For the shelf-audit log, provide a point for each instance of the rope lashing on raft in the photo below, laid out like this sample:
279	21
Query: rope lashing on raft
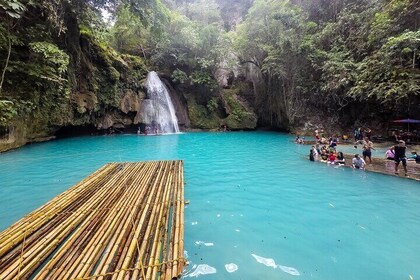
130	270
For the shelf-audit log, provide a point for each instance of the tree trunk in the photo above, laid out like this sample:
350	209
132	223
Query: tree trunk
7	60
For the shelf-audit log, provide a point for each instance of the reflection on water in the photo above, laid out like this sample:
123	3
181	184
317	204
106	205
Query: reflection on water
271	263
201	269
231	267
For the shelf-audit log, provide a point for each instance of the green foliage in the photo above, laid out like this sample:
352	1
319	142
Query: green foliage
194	41
203	78
392	72
273	40
338	71
13	8
127	34
335	54
52	55
7	112
330	53
200	116
239	117
179	76
212	104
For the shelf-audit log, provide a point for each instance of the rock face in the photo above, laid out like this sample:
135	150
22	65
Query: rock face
224	77
240	113
84	101
22	133
130	102
105	91
232	107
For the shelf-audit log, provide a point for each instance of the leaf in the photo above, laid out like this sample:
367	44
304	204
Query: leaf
15	6
13	14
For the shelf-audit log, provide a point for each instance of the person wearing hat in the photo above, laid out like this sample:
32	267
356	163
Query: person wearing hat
400	156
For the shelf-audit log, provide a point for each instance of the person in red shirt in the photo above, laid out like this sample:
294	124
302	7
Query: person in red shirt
332	157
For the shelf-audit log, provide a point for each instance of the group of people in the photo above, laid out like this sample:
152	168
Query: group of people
223	128
360	133
148	130
327	152
397	154
323	140
329	155
300	140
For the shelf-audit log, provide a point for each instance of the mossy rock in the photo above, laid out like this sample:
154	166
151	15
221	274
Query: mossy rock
111	74
245	120
200	117
239	117
135	63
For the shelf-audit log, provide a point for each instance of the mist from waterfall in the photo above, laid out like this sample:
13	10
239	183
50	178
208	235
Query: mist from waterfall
157	109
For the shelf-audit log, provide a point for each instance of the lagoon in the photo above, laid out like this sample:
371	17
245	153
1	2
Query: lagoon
258	209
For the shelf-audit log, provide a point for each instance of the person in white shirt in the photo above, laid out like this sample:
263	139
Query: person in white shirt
358	162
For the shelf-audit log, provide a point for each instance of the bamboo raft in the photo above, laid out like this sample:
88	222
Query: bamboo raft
124	221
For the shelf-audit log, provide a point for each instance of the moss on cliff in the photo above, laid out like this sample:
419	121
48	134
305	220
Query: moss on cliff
104	78
200	116
96	79
239	117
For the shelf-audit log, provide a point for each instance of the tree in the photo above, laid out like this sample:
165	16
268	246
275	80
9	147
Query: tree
12	11
272	39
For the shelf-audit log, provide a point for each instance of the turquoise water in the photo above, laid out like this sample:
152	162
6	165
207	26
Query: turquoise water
256	205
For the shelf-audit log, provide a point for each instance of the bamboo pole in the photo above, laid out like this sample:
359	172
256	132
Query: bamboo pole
168	271
41	231
150	188
160	232
182	223
120	237
48	243
108	228
22	222
36	220
120	218
112	194
156	247
144	245
164	257
74	244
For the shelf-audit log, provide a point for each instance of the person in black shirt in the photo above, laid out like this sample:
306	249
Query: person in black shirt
400	156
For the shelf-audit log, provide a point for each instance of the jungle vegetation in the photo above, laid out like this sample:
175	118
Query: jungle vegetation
343	59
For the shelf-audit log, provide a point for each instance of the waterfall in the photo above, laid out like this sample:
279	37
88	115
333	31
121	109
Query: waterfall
157	109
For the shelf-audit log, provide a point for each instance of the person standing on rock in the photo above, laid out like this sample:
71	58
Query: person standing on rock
367	149
400	156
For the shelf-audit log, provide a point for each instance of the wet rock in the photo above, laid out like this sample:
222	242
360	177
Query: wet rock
130	102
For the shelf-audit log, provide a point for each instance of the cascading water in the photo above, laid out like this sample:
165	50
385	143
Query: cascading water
157	110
